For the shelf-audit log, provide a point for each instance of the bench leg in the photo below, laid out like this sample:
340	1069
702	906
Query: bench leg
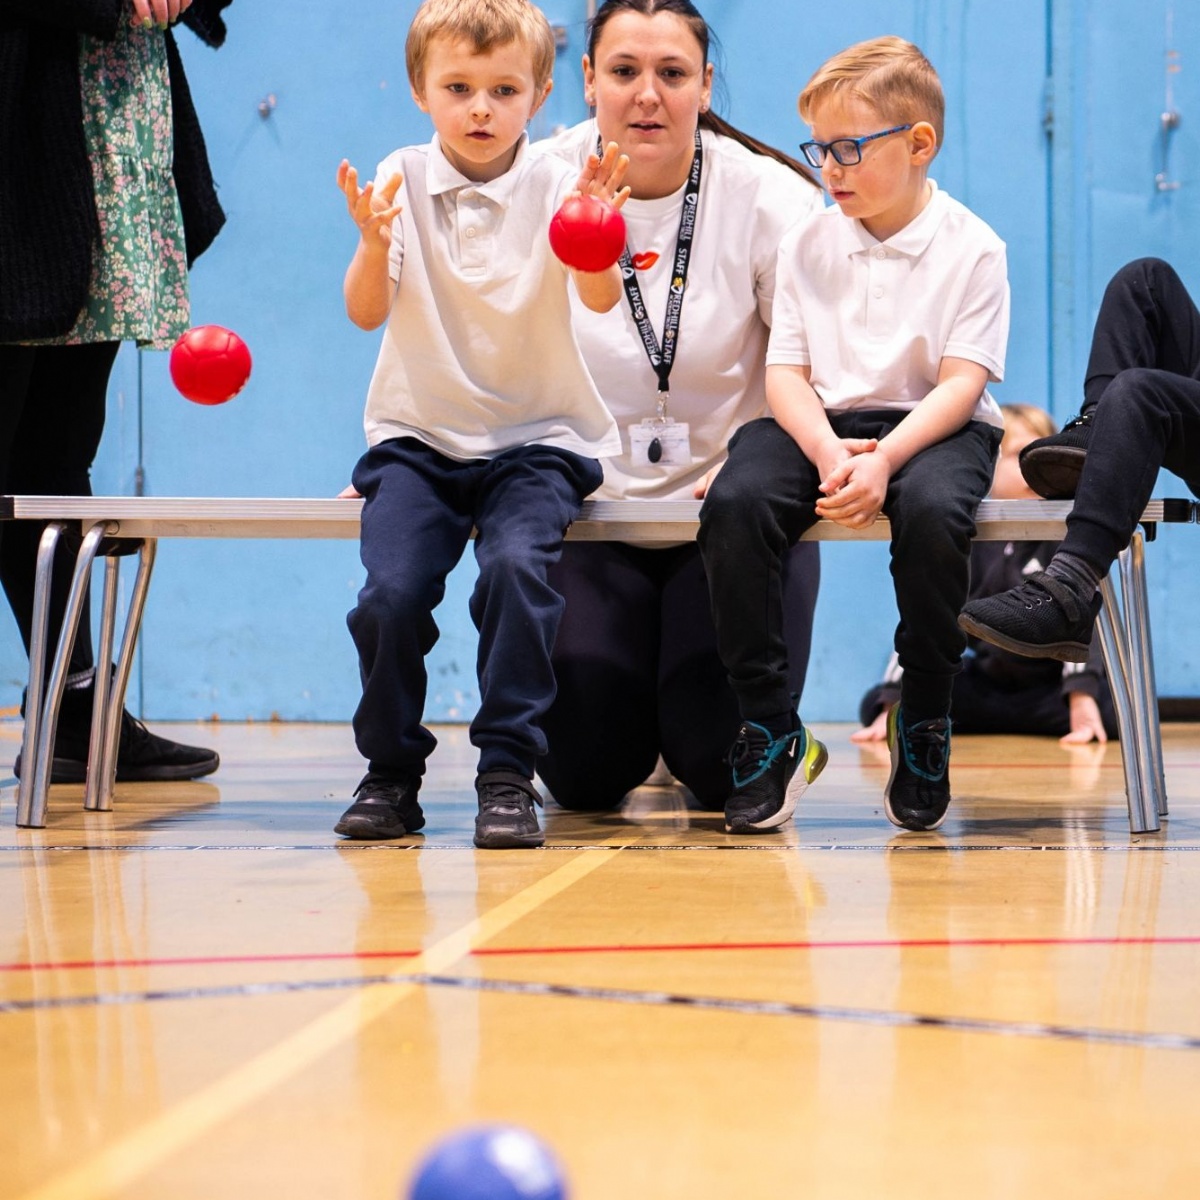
1137	620
35	815
104	768
1143	812
103	687
37	674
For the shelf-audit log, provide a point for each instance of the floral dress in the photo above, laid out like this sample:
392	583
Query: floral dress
139	288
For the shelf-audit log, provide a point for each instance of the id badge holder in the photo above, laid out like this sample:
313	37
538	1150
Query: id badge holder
660	442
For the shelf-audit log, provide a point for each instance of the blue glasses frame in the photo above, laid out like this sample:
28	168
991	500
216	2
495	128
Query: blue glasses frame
846	151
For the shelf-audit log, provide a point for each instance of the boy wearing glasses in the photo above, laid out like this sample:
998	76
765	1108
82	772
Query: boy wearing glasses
890	318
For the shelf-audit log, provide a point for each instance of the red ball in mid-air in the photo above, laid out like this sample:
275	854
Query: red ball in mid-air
210	364
587	233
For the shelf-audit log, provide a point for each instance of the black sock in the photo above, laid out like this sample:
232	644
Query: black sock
780	725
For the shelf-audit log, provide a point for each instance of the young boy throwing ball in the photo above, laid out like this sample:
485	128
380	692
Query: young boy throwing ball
480	414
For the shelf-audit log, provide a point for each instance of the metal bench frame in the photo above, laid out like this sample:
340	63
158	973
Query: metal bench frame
104	521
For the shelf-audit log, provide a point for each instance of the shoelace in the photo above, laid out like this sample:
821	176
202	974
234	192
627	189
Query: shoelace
925	746
133	732
1045	589
752	754
505	799
391	790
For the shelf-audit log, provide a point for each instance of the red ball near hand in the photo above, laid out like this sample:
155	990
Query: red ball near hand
210	364
587	233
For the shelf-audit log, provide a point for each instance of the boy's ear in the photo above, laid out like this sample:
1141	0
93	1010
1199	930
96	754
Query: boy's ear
542	98
923	139
419	99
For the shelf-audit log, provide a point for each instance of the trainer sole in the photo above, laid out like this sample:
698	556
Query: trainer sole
1062	651
71	770
797	786
510	841
1053	471
362	829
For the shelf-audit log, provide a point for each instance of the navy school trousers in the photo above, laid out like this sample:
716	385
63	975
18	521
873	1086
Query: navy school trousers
418	512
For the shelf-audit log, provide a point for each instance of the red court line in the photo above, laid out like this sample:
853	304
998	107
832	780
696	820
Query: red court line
639	948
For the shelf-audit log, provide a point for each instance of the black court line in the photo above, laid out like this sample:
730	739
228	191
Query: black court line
884	1018
755	847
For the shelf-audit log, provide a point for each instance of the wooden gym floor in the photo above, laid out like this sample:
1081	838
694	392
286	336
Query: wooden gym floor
206	995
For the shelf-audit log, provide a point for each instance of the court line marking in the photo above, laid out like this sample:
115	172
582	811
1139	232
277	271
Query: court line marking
406	983
757	847
232	960
130	1157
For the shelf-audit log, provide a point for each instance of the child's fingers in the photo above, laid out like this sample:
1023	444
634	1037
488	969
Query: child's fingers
835	480
387	193
348	181
619	199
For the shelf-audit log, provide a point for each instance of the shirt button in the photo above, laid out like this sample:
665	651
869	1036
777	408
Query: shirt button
878	293
471	232
881	254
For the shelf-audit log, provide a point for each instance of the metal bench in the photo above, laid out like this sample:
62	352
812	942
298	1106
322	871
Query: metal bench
106	521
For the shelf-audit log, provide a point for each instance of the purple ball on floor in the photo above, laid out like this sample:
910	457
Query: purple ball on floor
489	1162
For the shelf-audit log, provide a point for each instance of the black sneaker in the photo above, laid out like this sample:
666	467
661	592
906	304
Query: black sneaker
769	776
507	820
1052	465
142	756
385	806
1040	618
918	789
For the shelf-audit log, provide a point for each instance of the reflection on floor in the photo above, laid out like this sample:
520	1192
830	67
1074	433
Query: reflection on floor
206	994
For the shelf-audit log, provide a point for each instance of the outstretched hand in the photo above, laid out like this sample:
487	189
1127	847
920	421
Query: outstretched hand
1087	724
603	177
373	212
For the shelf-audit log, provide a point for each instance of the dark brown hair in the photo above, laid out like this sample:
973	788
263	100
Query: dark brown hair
688	12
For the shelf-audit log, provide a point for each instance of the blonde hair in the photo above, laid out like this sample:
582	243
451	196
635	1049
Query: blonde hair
484	24
1037	420
889	74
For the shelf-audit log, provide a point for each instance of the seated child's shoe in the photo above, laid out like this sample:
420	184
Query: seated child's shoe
507	819
918	789
385	806
1040	618
1052	465
769	776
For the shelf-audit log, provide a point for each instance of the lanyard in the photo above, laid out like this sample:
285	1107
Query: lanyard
663	358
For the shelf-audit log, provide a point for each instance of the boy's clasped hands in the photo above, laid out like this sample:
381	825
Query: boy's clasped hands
854	479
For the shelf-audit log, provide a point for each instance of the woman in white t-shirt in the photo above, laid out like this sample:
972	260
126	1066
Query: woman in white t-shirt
636	661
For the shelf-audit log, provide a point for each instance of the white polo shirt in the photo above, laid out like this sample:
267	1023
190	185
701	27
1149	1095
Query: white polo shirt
746	203
479	352
875	319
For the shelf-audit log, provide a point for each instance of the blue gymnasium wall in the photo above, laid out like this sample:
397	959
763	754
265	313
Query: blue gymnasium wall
256	629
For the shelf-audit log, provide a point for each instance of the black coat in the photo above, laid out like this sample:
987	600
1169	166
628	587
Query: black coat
48	222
